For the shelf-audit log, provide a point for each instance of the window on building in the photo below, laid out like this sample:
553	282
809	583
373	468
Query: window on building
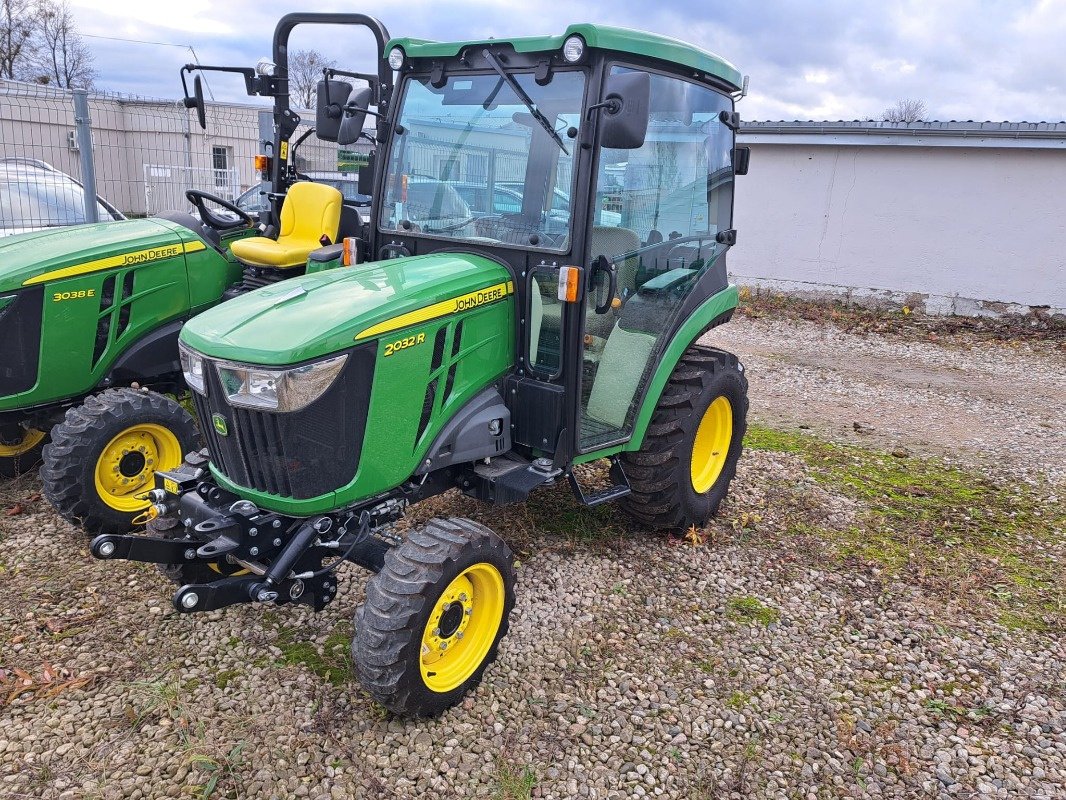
220	163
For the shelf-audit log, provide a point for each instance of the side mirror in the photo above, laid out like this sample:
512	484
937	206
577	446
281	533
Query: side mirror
329	110
741	157
354	117
197	101
624	115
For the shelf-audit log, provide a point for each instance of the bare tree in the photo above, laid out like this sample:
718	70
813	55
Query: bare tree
305	71
63	56
19	21
905	111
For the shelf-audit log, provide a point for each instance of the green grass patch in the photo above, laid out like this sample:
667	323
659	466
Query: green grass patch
557	513
943	525
737	700
514	782
750	610
333	663
222	679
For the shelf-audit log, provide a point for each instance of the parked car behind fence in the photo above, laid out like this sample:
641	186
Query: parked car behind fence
35	195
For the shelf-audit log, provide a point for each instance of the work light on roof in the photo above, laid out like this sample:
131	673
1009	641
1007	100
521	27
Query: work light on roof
266	68
573	49
396	57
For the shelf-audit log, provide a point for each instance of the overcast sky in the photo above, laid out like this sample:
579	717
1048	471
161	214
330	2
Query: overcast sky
833	59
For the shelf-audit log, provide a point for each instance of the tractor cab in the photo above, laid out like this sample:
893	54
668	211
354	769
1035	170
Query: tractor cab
597	167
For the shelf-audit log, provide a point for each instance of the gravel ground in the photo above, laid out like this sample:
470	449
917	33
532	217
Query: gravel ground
637	665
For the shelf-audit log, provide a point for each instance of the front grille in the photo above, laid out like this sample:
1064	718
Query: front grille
301	454
20	340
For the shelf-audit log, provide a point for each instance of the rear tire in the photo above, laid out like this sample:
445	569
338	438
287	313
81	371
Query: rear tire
449	585
21	453
105	453
690	451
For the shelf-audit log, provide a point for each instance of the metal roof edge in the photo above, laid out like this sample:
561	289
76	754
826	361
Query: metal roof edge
1035	135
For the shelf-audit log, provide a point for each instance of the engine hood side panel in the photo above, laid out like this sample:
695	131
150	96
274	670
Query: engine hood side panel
42	256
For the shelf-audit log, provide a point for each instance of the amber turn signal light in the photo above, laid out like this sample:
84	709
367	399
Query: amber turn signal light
351	251
569	278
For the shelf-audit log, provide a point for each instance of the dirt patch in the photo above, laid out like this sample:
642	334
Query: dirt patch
1000	404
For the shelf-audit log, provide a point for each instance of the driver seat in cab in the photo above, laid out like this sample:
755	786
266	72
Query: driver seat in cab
309	212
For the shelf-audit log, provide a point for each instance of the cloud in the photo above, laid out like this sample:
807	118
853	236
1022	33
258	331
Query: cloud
837	59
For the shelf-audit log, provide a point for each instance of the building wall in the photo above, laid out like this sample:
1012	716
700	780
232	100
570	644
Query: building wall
954	223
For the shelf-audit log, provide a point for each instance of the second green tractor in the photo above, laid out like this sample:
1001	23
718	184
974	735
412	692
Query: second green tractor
547	243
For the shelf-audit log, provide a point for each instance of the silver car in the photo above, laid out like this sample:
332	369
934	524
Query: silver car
34	195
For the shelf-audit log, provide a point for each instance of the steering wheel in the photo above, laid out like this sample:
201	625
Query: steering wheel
212	220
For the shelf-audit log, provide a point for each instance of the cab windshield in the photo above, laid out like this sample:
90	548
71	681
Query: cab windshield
473	163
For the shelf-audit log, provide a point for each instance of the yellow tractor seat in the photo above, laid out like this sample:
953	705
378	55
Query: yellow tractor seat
310	210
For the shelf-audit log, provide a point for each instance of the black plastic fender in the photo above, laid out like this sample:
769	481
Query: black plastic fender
152	356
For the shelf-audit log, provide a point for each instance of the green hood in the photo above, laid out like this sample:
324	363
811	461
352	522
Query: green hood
28	255
304	318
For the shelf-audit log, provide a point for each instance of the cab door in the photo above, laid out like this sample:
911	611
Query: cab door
652	248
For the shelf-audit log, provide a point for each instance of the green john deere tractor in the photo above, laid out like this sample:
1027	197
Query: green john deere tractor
90	315
548	235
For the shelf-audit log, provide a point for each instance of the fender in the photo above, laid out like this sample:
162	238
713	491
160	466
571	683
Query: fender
714	311
153	355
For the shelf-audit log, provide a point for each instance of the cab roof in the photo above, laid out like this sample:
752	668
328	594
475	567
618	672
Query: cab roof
641	43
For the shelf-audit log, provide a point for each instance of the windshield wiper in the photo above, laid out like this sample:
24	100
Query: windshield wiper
538	115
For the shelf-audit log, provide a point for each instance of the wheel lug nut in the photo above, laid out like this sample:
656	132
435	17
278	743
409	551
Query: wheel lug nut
436	631
443	645
462	597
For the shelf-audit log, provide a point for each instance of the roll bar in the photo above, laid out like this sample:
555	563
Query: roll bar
276	85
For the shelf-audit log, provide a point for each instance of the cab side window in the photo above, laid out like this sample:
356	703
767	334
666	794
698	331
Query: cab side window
657	210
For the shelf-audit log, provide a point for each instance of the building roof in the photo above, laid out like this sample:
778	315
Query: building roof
606	37
934	133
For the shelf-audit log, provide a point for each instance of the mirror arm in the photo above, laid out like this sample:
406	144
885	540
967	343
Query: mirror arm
382	130
253	84
329	106
330	72
731	119
612	105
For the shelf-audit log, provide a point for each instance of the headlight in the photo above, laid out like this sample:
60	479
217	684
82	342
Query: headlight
396	57
192	365
278	389
573	49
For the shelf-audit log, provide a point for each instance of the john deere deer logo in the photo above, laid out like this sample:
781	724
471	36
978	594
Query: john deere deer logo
219	422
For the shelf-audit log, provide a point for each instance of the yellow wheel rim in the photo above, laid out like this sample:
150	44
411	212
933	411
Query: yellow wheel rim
30	439
462	627
126	467
711	446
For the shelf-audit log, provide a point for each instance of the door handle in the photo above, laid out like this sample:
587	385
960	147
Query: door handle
602	263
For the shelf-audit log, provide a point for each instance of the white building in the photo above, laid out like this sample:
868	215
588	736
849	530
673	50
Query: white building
963	217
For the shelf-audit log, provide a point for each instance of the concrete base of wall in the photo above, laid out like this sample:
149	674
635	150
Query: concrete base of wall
934	304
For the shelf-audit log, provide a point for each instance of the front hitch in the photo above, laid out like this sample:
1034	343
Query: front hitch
150	549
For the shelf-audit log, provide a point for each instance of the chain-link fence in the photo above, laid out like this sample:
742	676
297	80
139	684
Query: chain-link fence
144	154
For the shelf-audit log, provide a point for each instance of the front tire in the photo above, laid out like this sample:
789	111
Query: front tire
690	451
434	617
105	453
20	451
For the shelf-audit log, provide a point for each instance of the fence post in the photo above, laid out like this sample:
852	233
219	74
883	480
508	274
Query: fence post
84	133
